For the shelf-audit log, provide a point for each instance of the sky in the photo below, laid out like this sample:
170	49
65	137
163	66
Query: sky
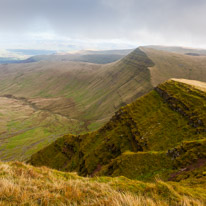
101	24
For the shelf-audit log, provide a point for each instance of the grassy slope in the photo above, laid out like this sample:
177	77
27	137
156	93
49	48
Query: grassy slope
141	140
173	65
22	184
89	94
96	90
25	130
86	94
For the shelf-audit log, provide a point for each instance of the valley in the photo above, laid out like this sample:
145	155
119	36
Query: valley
110	134
81	96
102	103
25	128
85	93
151	152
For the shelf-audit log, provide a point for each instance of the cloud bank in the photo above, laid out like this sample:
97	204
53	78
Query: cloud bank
102	23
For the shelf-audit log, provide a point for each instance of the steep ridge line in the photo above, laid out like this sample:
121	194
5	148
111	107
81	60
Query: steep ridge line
86	94
97	91
181	108
136	141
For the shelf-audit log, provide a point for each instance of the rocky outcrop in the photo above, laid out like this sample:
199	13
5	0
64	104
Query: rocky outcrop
178	106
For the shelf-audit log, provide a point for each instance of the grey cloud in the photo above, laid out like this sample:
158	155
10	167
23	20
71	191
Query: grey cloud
169	20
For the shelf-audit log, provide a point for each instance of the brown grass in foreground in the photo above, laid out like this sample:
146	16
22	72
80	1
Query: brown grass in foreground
21	184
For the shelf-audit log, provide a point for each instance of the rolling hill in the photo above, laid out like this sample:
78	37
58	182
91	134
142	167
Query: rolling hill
81	96
175	65
98	57
161	133
179	50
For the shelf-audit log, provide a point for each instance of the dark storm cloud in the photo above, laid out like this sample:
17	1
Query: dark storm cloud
145	21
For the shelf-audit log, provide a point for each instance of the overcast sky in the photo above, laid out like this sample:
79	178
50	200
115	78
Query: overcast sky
101	24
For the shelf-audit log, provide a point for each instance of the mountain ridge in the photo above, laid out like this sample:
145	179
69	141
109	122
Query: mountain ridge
86	94
151	129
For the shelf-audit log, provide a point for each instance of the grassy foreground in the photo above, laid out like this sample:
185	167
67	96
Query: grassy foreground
22	184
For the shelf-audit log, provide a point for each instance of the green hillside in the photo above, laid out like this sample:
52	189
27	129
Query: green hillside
62	97
81	96
25	128
161	133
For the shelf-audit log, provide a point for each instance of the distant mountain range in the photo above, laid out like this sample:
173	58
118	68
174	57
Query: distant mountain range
19	55
99	57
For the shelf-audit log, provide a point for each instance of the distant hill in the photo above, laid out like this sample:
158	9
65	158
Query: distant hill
97	57
12	56
174	65
161	133
180	50
8	60
84	94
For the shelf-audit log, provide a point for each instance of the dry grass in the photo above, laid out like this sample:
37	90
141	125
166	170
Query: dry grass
197	84
173	65
22	184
